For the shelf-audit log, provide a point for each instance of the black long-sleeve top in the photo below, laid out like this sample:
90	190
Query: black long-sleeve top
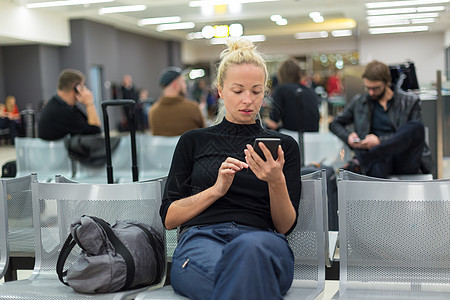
195	164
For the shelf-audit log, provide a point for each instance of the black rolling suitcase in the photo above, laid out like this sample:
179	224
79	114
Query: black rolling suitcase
120	102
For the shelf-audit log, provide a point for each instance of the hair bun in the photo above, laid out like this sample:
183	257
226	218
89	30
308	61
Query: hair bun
238	44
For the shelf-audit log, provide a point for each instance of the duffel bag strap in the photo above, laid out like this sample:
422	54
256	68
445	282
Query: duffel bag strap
121	249
62	257
156	250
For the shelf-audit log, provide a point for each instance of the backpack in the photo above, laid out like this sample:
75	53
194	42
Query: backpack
114	258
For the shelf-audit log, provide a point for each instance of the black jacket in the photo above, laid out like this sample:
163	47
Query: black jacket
404	107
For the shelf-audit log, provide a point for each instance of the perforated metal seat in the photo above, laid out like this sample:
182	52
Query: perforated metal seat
121	162
46	158
15	193
65	201
307	242
394	239
155	155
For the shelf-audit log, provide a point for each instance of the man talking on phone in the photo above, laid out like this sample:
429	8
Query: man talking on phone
388	134
62	116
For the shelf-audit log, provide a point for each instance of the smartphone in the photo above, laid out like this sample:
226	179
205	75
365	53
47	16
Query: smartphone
271	144
356	140
75	89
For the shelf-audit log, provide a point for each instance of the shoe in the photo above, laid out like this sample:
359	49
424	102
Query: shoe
353	166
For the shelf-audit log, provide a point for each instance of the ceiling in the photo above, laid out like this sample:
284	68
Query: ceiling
255	17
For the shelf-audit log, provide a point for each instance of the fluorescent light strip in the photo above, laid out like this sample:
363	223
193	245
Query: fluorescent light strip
401	22
201	3
175	26
64	3
341	33
403	16
423	21
393	11
253	38
403	3
121	9
161	20
385	30
388	23
311	35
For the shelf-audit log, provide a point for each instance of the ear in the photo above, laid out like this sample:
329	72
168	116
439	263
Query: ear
219	91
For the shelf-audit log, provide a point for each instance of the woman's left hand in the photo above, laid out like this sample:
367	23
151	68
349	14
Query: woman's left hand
269	170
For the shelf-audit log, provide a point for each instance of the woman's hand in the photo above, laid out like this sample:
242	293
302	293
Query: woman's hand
270	170
226	174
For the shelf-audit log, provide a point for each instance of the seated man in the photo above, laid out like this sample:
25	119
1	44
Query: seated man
388	133
173	114
61	116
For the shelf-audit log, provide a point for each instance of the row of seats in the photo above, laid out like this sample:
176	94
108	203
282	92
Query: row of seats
394	236
55	204
154	157
47	158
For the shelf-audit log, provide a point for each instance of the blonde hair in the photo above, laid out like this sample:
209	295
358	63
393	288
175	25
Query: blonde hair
239	51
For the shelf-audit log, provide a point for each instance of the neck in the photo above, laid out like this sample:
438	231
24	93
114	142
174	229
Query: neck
67	97
387	96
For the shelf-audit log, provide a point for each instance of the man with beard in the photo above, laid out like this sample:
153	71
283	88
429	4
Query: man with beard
173	114
387	135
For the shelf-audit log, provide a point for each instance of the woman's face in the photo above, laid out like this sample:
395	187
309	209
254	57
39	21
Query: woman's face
242	92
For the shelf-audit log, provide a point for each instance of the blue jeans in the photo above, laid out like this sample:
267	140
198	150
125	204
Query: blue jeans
231	261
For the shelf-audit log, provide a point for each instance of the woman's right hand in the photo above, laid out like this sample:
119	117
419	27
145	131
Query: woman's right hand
226	174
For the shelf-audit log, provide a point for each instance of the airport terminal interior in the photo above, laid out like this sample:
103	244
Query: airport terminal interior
332	41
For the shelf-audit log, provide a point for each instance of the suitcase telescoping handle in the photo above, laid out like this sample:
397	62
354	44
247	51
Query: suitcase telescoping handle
120	102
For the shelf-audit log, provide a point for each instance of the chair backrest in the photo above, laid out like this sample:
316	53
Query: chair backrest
4	247
307	240
66	201
46	158
155	155
121	163
347	175
322	147
16	194
394	235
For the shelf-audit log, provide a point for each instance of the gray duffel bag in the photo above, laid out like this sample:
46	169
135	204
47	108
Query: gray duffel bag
114	258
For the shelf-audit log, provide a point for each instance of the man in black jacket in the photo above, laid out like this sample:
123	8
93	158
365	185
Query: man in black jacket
61	116
387	135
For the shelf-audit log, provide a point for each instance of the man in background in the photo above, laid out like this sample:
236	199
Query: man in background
295	107
173	114
388	134
61	116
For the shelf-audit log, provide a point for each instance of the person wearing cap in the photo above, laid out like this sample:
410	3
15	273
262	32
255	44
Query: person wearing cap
173	114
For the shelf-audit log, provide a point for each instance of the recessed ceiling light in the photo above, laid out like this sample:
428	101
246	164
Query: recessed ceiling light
121	9
160	20
385	30
311	35
341	33
175	26
64	3
403	16
403	3
224	2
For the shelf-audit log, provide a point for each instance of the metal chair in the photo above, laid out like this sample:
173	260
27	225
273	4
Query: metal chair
121	162
155	155
4	247
307	242
15	193
394	239
65	201
347	175
46	158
